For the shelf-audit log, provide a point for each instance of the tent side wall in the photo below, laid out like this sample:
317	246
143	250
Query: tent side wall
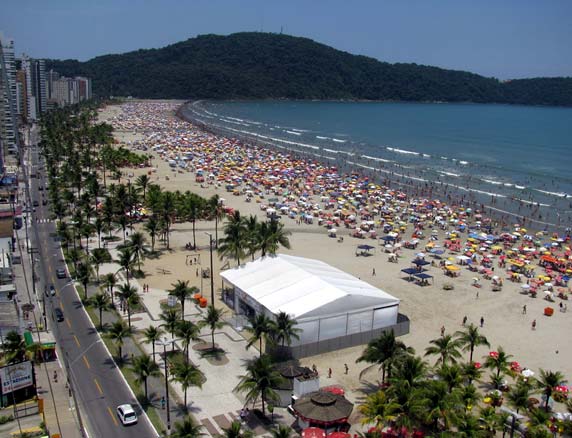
305	349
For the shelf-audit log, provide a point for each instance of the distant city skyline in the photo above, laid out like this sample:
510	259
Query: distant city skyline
510	39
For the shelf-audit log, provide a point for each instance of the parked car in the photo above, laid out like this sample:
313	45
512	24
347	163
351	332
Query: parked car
51	291
126	414
61	273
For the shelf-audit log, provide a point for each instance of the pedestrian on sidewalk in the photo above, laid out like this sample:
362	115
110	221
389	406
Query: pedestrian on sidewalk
55	376
163	402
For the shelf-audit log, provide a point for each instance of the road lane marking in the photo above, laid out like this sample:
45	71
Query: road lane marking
112	416
76	340
98	387
86	362
68	323
50	268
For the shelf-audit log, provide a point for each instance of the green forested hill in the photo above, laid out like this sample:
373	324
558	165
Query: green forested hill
263	65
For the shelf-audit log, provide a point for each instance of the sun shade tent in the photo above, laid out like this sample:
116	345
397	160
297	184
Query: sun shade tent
326	302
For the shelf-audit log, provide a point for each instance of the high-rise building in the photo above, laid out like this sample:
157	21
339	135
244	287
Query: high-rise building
8	97
35	85
67	91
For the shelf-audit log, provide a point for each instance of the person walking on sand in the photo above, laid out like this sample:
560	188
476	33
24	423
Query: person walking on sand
442	330
329	373
464	320
346	368
373	272
482	321
524	309
534	325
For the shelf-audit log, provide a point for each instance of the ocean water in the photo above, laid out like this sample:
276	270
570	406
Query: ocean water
511	158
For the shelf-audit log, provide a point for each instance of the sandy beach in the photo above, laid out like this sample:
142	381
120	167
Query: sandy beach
428	307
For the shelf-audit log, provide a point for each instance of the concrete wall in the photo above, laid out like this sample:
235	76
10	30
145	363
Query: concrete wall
314	348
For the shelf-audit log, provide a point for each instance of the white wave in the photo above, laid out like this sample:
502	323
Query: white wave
293	132
559	194
492	181
426	156
299	130
235	118
337	140
281	140
456	175
322	138
402	151
467	189
367	157
464	163
332	151
360	165
444	158
519	187
524	201
508	184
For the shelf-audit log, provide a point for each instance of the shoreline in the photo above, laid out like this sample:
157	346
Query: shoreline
475	199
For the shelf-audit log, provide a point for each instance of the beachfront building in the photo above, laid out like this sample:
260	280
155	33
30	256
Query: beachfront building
64	91
8	96
332	308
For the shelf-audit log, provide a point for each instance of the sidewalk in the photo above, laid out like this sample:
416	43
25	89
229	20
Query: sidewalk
59	412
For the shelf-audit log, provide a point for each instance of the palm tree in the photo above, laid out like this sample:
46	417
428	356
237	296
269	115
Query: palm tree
234	241
99	256
439	404
182	292
117	333
490	421
152	227
281	431
187	375
410	369
187	429
283	329
378	409
469	396
451	375
129	297
216	212
259	380
167	211
187	331
14	346
83	275
144	367
213	320
259	327
383	351
471	372
137	245
272	236
468	426
110	280
170	319
253	234
235	431
101	302
446	348
499	363
519	394
152	334
471	338
99	226
547	382
142	182
126	261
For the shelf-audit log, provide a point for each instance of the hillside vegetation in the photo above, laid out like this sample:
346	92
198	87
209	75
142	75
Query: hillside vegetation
263	65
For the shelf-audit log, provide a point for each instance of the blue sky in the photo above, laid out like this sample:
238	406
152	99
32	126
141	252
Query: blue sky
501	38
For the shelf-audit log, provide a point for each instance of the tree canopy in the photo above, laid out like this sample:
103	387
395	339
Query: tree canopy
255	65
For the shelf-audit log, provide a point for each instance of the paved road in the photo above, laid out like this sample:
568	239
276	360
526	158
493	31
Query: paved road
99	385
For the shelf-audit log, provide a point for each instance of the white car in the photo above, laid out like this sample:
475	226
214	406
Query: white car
126	414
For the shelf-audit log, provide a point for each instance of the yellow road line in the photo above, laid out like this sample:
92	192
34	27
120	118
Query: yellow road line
98	387
68	323
112	416
50	268
76	340
86	362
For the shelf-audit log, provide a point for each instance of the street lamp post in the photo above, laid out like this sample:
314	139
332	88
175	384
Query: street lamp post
164	343
212	272
514	416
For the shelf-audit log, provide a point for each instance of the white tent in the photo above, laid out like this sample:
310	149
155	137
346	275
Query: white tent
326	302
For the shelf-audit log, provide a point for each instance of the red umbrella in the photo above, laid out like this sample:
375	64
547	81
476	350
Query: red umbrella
334	389
313	432
339	435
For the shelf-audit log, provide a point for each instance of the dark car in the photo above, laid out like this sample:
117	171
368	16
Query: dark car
51	291
61	273
59	314
41	188
44	201
36	204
